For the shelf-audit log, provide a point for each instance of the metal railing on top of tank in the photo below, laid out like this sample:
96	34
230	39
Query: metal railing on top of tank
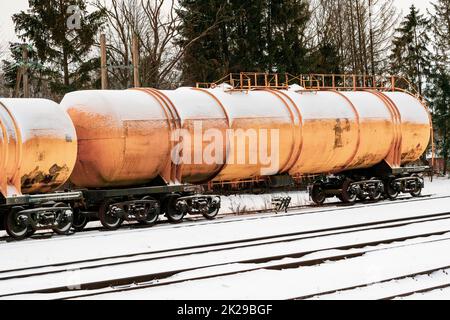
246	81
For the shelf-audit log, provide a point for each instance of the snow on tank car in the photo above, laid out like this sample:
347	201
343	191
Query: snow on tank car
365	137
37	155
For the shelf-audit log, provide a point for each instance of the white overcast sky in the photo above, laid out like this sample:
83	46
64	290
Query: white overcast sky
9	7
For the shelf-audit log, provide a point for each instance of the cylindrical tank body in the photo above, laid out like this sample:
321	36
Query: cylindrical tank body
243	120
415	130
38	146
123	137
130	137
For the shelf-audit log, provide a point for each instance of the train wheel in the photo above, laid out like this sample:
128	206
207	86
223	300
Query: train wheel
107	215
15	228
79	221
172	212
376	194
418	189
348	195
318	194
213	211
152	213
391	191
64	221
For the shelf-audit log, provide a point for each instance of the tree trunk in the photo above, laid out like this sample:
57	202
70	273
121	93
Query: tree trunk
66	68
225	51
341	39
269	37
353	41
445	163
445	147
419	71
361	39
372	50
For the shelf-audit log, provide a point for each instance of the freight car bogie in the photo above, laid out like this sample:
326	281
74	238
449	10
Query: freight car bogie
207	206
349	188
176	207
21	222
412	184
144	205
113	213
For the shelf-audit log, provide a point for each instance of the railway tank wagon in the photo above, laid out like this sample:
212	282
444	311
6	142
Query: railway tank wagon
364	138
132	155
391	131
37	155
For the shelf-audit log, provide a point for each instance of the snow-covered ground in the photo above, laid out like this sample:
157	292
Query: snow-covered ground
417	254
394	288
201	262
104	244
292	283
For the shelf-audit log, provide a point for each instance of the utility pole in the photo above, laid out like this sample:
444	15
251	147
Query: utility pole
104	63
26	88
135	48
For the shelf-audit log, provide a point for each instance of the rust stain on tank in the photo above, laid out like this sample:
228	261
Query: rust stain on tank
339	129
37	176
367	159
413	153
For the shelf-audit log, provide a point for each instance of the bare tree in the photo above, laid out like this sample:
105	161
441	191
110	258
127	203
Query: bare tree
156	24
361	30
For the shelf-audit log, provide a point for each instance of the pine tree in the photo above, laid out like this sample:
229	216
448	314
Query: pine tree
439	86
325	60
440	23
439	94
259	35
287	47
410	56
206	58
12	66
64	51
248	35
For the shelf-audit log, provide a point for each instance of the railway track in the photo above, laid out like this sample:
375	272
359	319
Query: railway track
419	282
275	237
291	264
314	248
228	218
423	291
